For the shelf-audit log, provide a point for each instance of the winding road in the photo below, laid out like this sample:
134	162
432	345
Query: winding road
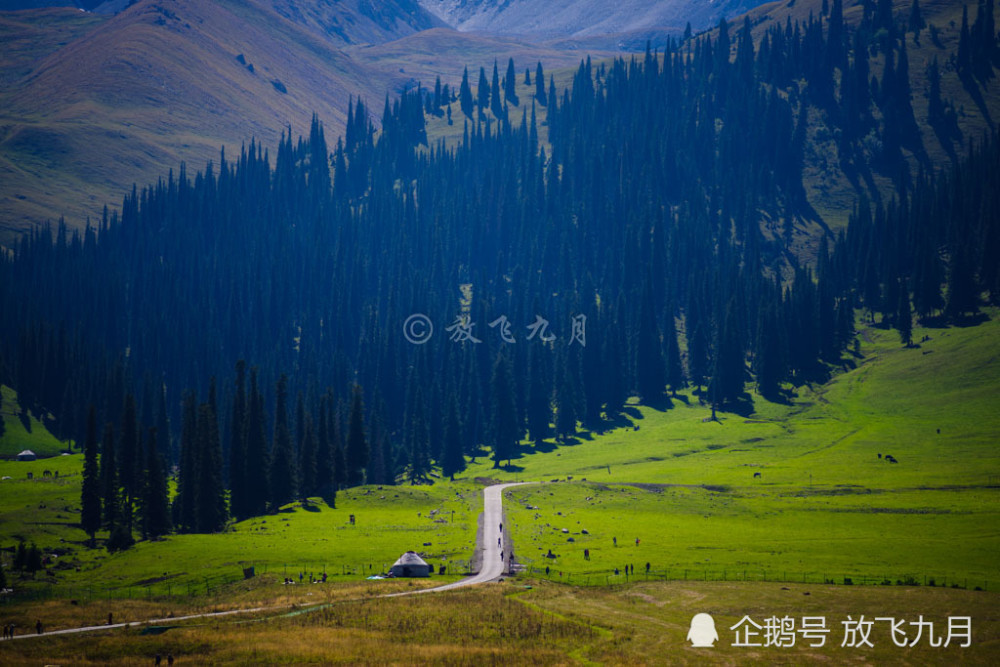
491	568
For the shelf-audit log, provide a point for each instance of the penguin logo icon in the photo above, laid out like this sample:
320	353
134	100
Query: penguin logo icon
702	632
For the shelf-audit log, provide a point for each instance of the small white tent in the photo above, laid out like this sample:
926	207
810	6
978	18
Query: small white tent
26	455
410	565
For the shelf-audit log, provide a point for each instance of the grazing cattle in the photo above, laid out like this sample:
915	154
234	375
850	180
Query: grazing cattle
46	473
756	474
890	458
880	454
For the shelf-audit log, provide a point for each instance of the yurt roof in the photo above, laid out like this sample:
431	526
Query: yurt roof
410	558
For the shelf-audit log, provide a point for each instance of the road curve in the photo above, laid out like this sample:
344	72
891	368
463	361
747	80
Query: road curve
491	569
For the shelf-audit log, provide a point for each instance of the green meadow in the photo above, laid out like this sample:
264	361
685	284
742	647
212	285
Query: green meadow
439	522
825	506
825	510
23	430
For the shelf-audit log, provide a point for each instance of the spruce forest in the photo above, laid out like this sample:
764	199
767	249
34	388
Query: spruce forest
242	328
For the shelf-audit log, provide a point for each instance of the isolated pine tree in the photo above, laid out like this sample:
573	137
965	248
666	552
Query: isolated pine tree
540	96
483	91
496	94
465	94
510	84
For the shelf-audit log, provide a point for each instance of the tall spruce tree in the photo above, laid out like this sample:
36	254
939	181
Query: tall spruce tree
110	493
465	94
649	367
238	427
155	506
504	427
210	496
452	456
129	469
510	84
356	450
540	85
257	468
284	481
90	494
185	504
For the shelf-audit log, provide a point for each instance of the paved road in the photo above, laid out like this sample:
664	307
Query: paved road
491	569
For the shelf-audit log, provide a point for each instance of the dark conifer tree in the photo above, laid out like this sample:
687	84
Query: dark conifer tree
465	94
649	368
308	455
452	456
257	469
238	425
728	371
356	452
185	504
418	438
210	496
155	507
284	482
510	84
90	495
565	403
129	470
110	494
496	95
904	317
540	84
483	91
504	428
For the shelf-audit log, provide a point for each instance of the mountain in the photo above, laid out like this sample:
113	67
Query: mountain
90	105
560	19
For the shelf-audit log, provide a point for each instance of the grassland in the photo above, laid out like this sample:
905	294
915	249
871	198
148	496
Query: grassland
825	508
510	623
23	430
825	505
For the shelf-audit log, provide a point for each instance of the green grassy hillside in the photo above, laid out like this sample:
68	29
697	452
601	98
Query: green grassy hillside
23	430
825	505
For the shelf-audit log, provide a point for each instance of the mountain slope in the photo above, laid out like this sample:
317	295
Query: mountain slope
581	18
92	105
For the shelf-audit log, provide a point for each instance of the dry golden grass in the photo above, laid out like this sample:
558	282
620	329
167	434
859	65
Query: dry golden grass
510	623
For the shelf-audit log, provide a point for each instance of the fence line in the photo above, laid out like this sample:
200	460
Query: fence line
200	586
205	586
606	578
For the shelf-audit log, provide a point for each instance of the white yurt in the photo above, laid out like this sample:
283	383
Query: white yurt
26	455
410	565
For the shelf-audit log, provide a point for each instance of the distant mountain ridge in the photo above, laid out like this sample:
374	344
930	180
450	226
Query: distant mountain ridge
582	18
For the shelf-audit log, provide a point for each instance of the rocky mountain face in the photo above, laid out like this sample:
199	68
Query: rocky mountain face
558	19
